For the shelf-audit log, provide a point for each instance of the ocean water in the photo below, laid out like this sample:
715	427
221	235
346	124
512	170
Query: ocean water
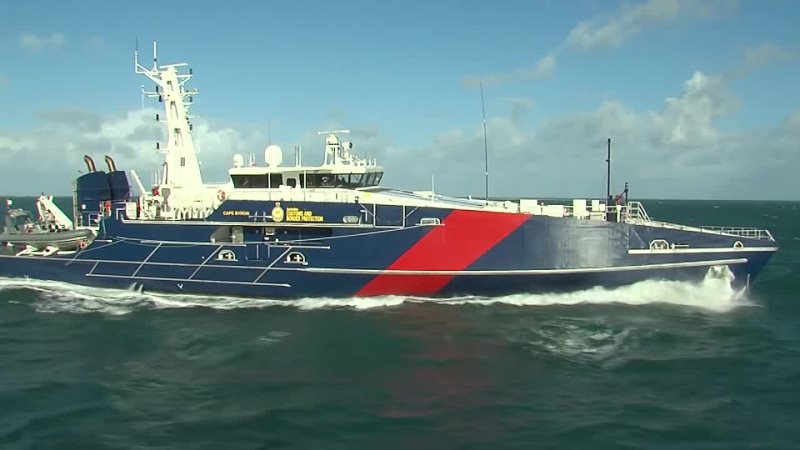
657	365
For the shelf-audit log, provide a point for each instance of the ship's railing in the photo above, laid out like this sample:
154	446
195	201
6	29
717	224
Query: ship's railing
196	208
745	232
634	212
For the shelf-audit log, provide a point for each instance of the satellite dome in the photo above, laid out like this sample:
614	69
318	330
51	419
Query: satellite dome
273	155
238	160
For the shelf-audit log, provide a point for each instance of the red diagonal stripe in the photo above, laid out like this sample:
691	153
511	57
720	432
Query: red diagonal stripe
464	237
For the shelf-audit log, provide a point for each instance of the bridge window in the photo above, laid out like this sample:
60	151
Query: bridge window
314	180
342	180
264	180
326	180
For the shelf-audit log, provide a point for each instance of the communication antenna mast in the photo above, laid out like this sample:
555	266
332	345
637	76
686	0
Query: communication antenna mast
608	173
485	146
298	156
180	155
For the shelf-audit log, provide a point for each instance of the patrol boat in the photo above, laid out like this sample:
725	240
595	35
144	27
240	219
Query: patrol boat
278	230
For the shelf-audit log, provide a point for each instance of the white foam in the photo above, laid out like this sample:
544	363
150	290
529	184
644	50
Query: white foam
273	337
713	293
573	341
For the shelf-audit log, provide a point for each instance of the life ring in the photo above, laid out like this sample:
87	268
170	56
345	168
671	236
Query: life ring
221	195
82	245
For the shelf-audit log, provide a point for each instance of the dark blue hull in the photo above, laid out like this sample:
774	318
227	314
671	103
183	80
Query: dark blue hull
467	253
297	284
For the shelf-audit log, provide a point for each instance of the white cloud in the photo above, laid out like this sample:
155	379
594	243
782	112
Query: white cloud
54	41
519	106
689	118
674	151
761	55
52	153
95	42
543	68
611	31
631	19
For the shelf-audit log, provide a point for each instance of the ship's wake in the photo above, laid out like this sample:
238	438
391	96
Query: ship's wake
714	293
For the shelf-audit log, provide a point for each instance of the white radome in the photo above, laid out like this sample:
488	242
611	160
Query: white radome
273	155
238	160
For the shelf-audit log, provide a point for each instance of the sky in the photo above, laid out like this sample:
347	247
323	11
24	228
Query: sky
700	97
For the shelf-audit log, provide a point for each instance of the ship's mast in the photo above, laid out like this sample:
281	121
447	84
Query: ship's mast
180	158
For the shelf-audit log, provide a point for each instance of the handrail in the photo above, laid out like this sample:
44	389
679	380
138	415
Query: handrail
635	213
745	232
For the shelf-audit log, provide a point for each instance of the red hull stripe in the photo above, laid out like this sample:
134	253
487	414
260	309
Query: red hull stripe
464	237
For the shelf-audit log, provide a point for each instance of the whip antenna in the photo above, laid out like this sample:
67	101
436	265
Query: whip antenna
485	146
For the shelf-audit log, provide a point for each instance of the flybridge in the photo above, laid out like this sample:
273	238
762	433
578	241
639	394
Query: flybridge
340	168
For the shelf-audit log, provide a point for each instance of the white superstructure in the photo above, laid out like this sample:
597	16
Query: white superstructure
343	176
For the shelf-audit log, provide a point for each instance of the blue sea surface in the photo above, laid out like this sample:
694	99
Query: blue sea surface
657	365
